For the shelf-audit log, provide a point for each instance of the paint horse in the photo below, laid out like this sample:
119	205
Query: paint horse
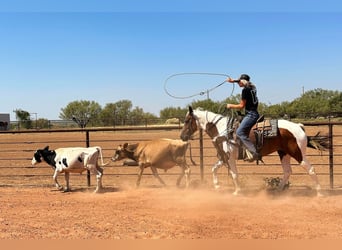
290	141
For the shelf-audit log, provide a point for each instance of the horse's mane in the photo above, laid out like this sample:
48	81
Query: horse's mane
211	117
209	113
215	114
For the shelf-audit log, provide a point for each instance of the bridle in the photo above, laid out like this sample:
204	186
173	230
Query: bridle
190	130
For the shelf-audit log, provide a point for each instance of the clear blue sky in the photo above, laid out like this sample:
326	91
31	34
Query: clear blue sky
56	52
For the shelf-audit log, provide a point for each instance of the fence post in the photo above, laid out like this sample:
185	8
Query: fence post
201	154
331	156
88	145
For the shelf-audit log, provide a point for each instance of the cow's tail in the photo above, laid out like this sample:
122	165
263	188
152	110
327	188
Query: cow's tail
192	161
318	142
102	163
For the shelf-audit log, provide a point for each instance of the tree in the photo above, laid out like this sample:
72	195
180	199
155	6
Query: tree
139	117
335	103
24	118
108	114
276	110
313	103
208	104
122	111
42	123
171	112
233	99
81	112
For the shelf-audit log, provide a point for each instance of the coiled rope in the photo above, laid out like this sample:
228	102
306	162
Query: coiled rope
196	94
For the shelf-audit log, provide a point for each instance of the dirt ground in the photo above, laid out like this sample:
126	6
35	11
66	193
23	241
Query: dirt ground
168	213
121	211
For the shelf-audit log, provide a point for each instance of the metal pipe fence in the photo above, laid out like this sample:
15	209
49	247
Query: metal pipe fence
17	148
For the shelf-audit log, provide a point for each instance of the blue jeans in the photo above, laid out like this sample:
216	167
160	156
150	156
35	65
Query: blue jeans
244	129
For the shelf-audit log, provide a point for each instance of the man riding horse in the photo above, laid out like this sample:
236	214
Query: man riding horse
249	101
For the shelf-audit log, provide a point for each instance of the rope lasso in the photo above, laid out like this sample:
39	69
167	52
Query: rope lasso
196	94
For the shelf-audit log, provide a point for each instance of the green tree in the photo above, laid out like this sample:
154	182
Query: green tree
122	111
108	114
42	123
139	117
335	103
81	112
208	104
313	103
24	118
276	110
171	112
233	99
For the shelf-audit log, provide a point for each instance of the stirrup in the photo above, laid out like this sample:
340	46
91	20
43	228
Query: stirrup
251	158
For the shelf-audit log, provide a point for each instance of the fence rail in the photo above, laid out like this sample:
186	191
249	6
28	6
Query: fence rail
17	148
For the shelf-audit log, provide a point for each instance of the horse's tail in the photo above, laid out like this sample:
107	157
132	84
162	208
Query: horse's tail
318	142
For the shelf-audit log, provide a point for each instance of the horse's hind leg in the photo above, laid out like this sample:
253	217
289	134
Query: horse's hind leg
311	171
287	170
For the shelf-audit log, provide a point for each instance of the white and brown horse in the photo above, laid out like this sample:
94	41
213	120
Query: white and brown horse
291	141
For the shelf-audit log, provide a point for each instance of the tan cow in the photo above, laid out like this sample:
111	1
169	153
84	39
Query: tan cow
159	153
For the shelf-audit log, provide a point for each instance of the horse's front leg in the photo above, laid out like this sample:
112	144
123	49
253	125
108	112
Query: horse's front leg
234	173
214	169
233	154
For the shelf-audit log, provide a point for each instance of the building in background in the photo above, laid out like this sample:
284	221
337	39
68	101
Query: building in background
4	121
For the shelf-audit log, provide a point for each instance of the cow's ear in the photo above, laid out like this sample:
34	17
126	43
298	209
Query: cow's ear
191	111
125	145
46	148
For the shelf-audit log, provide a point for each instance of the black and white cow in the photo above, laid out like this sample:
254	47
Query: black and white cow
71	160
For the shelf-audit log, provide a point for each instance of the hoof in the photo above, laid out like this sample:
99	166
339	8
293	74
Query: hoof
319	194
236	193
98	191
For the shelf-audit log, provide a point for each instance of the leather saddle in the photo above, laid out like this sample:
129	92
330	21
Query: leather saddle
267	127
264	128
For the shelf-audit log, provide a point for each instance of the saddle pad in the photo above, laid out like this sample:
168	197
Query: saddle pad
269	128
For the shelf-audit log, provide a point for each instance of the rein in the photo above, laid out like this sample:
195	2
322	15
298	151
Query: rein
228	129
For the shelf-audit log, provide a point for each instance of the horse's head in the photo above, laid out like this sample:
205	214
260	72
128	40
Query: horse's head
190	125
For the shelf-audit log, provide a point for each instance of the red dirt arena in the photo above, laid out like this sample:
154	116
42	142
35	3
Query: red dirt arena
31	207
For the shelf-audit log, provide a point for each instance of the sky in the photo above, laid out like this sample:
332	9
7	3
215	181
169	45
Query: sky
56	52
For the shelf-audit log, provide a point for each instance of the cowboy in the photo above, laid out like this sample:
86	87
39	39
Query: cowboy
249	101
